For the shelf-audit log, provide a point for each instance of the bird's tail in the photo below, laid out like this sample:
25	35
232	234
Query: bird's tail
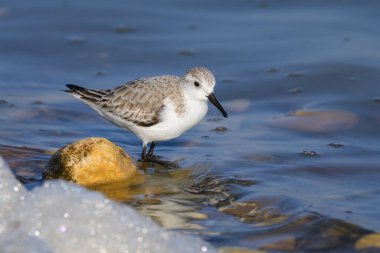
85	94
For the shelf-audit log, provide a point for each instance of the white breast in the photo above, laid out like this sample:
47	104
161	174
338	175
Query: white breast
172	124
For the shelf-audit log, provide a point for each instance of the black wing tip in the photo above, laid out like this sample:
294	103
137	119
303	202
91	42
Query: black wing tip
74	87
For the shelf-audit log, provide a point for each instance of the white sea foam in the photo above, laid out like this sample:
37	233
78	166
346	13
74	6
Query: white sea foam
63	217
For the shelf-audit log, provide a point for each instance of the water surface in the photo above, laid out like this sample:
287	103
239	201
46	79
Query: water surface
299	156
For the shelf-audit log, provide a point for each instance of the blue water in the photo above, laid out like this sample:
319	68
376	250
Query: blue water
270	58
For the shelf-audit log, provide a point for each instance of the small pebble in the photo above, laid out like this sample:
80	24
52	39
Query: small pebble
353	79
295	91
263	4
335	145
4	11
376	99
347	39
38	102
228	80
192	27
75	39
309	153
124	29
3	102
296	74
104	55
238	105
100	73
186	52
220	129
273	70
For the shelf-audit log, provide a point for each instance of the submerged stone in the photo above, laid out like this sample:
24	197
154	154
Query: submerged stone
296	74
100	73
124	28
220	129
336	145
368	241
376	99
228	80
186	52
288	244
251	212
310	153
238	105
318	121
244	211
5	103
295	91
274	70
4	11
91	162
75	39
319	234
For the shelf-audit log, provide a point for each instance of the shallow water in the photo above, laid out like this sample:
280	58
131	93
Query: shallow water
300	81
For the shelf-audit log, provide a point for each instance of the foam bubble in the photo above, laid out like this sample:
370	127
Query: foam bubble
63	217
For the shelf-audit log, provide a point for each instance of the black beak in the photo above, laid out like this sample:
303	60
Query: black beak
215	102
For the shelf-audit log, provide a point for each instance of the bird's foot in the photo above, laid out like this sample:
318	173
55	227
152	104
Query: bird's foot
159	160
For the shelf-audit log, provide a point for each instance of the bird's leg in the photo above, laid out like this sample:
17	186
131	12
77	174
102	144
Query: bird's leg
144	157
155	159
152	145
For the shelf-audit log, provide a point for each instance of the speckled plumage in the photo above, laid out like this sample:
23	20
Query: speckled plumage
141	101
154	108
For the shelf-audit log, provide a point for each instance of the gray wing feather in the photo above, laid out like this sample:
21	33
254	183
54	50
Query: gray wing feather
139	101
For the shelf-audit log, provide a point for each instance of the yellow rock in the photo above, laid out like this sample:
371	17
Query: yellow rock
368	241
92	162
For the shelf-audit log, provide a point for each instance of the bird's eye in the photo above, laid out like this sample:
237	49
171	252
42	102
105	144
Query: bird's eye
196	84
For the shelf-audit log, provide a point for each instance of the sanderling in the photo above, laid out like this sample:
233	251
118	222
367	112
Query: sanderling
155	108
